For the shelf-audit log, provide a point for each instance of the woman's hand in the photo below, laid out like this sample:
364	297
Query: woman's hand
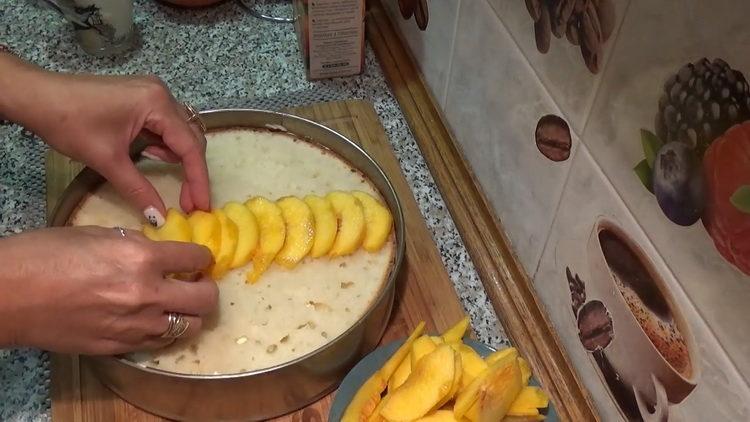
94	119
89	290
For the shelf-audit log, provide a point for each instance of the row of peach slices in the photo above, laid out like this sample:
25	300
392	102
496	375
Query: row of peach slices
284	231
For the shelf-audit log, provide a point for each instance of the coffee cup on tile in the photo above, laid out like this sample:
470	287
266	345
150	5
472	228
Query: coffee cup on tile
653	349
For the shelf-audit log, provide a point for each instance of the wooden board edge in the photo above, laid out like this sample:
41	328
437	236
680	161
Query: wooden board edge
506	282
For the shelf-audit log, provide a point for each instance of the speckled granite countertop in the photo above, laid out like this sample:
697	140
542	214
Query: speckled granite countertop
211	58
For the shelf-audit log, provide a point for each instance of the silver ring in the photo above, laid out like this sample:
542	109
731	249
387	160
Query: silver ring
177	325
193	116
121	231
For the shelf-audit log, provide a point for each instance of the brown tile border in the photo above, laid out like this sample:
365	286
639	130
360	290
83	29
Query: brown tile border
507	284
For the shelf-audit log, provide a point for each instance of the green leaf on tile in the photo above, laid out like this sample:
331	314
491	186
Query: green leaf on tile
741	199
644	173
651	144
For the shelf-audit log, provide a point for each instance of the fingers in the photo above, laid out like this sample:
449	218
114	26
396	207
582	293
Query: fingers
186	198
194	327
192	298
181	257
189	145
136	189
160	153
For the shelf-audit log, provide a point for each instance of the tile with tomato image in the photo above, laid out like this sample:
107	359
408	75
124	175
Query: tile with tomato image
652	83
588	199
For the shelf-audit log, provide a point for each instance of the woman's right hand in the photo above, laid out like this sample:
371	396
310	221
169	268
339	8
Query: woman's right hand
89	290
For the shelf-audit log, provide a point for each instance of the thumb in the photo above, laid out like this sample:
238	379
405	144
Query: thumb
137	190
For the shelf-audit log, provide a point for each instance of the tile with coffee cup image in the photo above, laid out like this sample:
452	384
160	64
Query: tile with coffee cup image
669	127
639	345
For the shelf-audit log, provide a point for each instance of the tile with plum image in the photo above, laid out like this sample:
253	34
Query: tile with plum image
622	315
571	78
684	87
493	106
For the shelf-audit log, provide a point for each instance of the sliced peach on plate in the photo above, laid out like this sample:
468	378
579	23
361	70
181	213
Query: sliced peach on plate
206	231
429	383
422	347
272	235
456	332
497	392
325	225
175	228
529	401
247	233
467	396
300	231
351	223
366	403
473	364
378	221
401	374
438	416
228	244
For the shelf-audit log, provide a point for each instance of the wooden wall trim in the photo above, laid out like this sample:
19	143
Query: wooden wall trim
506	282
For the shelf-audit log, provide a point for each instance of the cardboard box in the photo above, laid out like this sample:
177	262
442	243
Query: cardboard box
331	36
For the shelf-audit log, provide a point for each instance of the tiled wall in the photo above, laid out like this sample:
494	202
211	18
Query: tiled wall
481	62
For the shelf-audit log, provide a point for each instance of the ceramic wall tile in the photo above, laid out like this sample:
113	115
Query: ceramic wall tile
562	69
590	206
493	105
654	44
431	48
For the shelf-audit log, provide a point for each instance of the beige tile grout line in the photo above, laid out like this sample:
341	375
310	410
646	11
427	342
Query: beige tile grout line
444	99
559	110
598	82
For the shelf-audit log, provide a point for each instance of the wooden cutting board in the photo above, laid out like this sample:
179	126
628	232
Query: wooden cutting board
424	290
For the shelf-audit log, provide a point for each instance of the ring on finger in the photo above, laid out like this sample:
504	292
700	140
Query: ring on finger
120	231
177	325
193	116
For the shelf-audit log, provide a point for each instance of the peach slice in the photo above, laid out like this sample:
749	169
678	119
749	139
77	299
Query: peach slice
525	371
501	354
378	221
272	235
456	384
473	364
456	332
438	416
429	383
225	256
497	393
401	374
325	225
528	402
366	402
206	231
421	348
247	233
469	395
351	223
175	228
300	231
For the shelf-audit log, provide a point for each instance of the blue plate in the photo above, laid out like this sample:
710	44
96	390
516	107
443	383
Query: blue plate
375	360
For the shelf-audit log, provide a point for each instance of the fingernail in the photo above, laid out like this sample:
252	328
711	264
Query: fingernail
150	156
153	216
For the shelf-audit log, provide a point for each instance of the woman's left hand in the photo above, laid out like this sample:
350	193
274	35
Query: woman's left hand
94	119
